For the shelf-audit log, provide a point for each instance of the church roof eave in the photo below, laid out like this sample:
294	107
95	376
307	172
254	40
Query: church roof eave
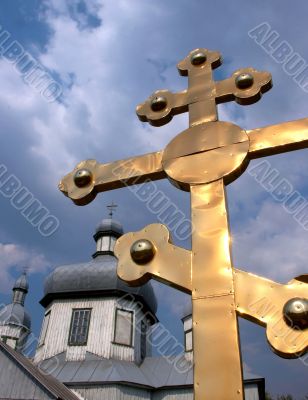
155	373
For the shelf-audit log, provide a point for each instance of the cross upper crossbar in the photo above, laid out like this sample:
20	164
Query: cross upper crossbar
245	86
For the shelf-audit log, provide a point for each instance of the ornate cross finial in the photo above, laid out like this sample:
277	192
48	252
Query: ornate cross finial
203	159
112	207
245	86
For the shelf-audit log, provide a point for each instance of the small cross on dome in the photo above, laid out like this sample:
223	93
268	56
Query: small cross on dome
112	207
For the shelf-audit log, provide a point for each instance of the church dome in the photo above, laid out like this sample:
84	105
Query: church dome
15	314
109	225
22	283
97	277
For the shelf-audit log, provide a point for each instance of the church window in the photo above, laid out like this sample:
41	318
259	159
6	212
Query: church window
124	324
79	327
188	340
44	329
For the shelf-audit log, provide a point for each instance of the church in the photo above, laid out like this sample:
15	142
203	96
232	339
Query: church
100	338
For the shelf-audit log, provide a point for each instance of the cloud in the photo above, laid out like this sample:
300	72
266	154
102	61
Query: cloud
272	244
14	256
177	302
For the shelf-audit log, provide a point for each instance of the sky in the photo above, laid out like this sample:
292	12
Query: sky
102	59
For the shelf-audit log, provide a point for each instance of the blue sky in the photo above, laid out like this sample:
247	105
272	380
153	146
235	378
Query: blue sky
108	57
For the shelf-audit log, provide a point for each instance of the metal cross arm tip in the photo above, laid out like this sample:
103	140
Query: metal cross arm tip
90	177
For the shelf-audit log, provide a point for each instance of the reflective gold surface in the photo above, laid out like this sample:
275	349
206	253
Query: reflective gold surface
279	138
227	90
213	301
203	92
171	264
112	176
262	301
258	299
203	159
189	158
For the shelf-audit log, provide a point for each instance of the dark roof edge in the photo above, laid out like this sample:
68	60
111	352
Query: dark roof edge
100	383
47	381
259	381
47	299
105	232
103	253
186	316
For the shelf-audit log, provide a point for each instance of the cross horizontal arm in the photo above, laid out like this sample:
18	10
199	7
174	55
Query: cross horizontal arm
169	264
90	177
276	139
161	106
254	83
203	94
264	305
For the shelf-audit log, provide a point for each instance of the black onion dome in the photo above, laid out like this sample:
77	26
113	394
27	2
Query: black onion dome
109	226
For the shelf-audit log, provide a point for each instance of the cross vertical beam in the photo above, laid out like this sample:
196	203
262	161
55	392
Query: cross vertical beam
201	93
215	326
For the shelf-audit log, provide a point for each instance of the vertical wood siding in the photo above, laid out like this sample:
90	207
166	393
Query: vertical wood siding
101	330
179	394
11	331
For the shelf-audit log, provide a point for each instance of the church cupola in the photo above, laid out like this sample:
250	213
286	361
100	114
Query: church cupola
15	323
106	234
20	289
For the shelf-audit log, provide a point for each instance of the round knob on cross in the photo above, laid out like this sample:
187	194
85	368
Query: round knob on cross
295	313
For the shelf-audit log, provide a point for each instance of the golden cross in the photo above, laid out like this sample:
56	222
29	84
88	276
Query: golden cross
202	160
